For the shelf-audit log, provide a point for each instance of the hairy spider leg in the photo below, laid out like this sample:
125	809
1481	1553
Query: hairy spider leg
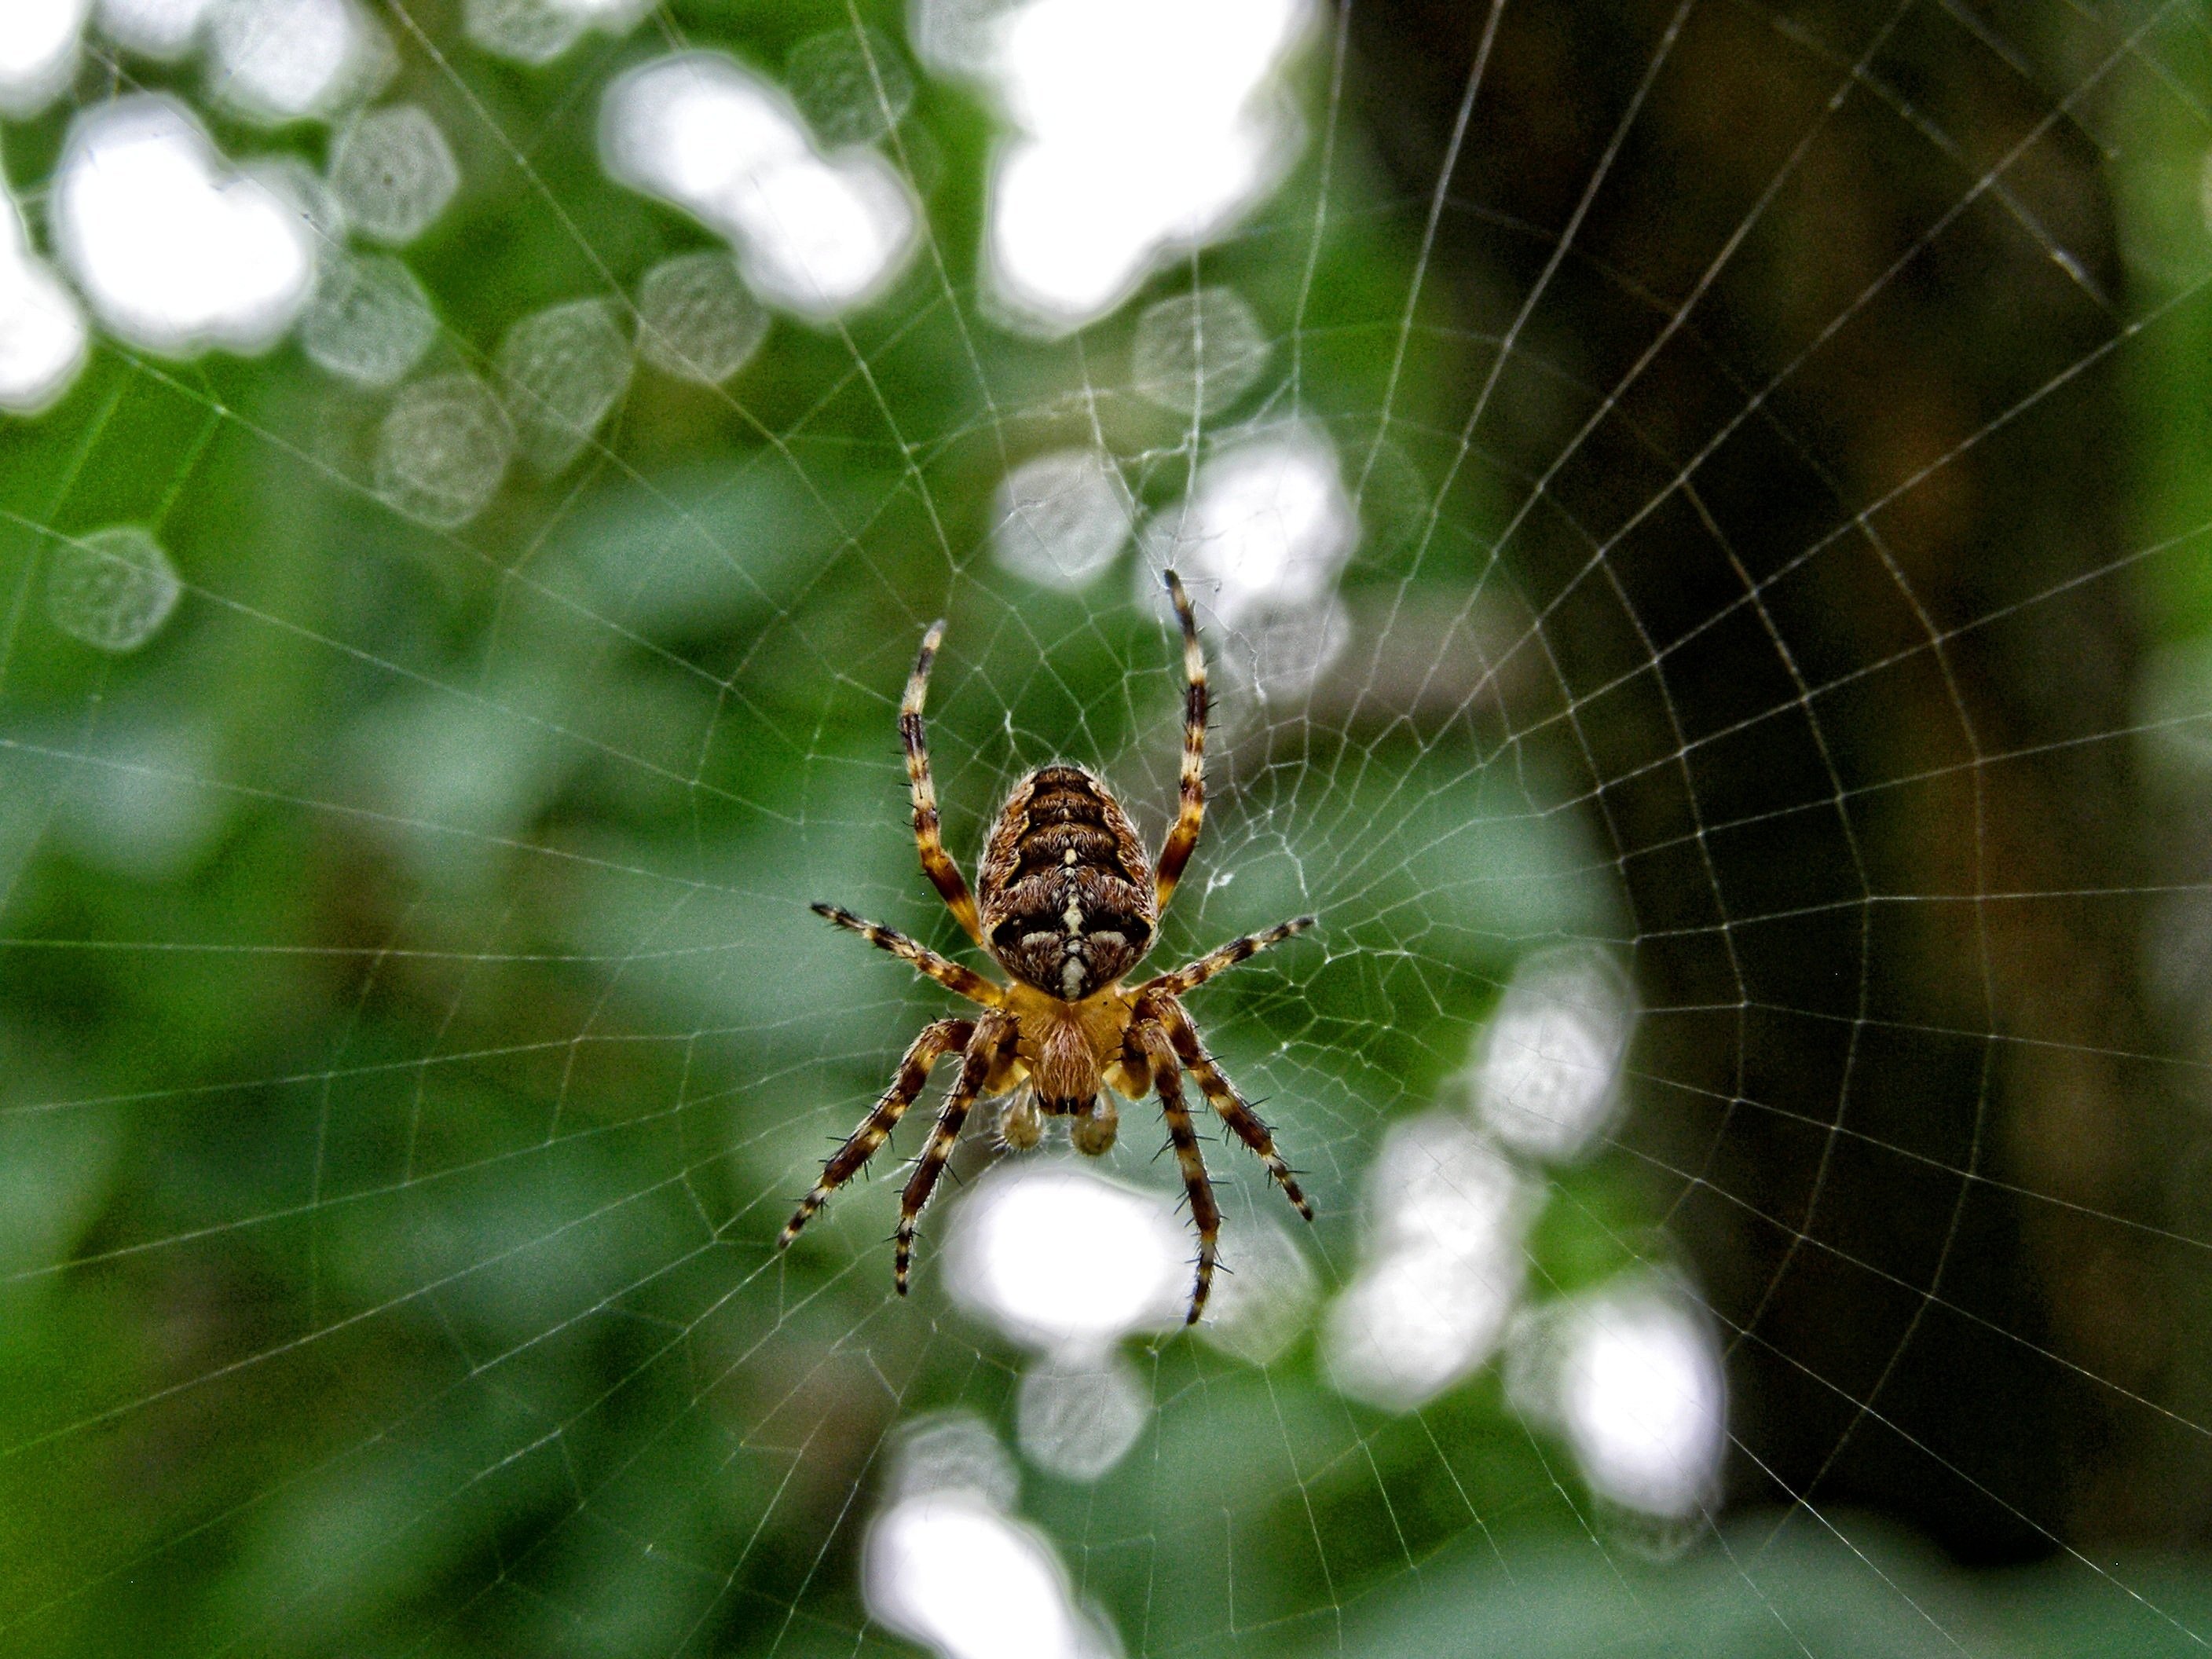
1205	1212
937	1040
950	975
1222	1093
928	833
1190	811
1218	961
991	1034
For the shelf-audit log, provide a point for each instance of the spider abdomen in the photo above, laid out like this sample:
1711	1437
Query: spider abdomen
1064	888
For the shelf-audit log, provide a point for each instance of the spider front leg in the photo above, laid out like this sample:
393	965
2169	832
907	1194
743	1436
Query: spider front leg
991	1033
1218	961
961	981
1204	1214
935	1041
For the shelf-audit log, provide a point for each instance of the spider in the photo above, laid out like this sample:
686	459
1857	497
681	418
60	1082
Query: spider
1068	906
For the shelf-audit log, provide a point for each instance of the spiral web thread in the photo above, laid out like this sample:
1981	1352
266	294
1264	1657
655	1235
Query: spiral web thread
630	917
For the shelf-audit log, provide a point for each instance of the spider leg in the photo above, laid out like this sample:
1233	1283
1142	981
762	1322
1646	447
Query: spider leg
935	1041
991	1033
950	975
1205	1213
1182	839
1214	962
928	833
1234	1112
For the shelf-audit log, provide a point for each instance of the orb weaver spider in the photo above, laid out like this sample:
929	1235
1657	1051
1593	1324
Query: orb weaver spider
1068	903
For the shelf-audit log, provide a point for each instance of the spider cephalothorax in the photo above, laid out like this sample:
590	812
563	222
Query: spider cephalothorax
1070	904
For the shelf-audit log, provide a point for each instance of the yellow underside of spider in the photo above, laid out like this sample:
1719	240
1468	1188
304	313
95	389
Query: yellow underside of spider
1049	1033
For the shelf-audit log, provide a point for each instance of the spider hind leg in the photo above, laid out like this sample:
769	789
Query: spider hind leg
1234	1110
935	1041
991	1034
1204	1210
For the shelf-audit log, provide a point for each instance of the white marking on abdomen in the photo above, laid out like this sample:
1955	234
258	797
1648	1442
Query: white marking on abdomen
1070	978
1074	917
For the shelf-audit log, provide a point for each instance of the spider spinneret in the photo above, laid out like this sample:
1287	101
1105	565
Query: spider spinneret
1069	905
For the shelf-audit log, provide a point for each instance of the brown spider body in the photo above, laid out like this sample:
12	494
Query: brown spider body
1064	888
1066	893
1069	905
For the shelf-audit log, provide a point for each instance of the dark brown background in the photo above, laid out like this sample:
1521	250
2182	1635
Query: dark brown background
1832	673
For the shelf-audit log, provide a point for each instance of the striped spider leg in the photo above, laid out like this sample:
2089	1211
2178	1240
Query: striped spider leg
1167	1039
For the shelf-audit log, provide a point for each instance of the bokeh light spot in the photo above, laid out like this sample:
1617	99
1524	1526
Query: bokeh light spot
1443	1265
393	173
953	1571
1141	130
696	320
1056	1258
1546	1074
368	320
281	60
38	52
1197	354
1266	525
174	251
442	449
1061	517
43	338
1631	1376
111	589
562	370
852	88
163	29
814	236
1077	1416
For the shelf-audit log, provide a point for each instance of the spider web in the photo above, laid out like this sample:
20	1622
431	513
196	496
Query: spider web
1762	621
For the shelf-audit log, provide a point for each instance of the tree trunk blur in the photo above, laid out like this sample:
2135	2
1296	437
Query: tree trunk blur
1828	291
